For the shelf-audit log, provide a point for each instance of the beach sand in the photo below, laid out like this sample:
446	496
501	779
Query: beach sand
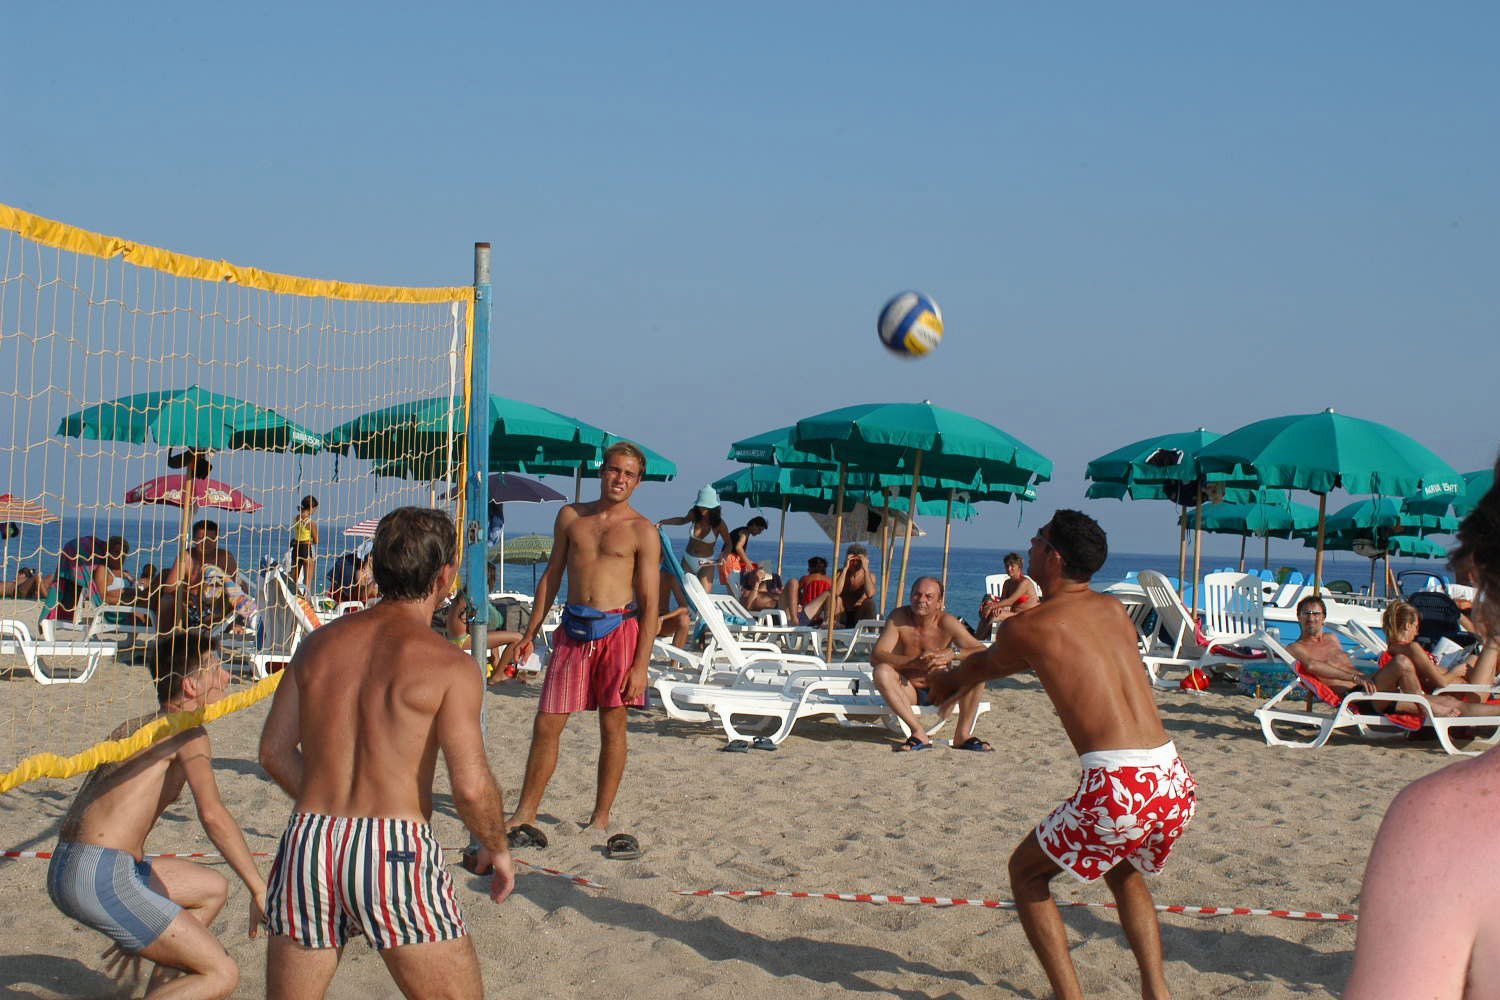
831	810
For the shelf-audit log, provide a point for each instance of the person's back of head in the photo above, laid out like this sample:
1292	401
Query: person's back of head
1080	542
412	545
176	655
309	503
817	564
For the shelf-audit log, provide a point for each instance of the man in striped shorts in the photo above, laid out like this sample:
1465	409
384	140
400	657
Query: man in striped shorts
353	736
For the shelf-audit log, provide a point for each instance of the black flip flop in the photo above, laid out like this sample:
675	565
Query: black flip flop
736	746
526	835
622	847
762	743
976	744
911	745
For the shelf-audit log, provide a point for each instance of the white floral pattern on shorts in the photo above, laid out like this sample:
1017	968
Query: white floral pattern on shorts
1119	814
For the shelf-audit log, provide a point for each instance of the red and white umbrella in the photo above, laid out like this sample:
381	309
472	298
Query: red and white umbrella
364	529
206	493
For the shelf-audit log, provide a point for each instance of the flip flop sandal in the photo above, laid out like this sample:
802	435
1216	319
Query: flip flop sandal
736	746
976	744
526	835
622	847
912	745
762	743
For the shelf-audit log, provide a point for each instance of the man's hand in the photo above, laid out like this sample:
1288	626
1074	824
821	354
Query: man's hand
503	876
257	912
121	966
943	686
939	659
634	686
522	650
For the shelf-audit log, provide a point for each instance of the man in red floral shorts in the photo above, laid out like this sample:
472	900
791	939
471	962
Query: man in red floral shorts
600	652
1135	797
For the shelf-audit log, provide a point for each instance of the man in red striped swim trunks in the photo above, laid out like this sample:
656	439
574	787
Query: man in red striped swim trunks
1135	797
600	652
353	736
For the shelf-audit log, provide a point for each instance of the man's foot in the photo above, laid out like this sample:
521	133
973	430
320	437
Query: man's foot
912	744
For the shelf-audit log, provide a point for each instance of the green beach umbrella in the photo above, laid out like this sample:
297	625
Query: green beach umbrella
1388	513
1440	498
659	468
1276	515
1324	451
1378	544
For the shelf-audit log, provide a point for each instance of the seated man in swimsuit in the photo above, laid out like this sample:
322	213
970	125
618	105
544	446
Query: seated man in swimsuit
1016	595
918	640
806	598
1323	656
364	709
27	586
160	909
855	587
1135	798
760	589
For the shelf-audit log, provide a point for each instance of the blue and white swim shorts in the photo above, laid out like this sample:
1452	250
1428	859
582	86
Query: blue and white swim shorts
109	890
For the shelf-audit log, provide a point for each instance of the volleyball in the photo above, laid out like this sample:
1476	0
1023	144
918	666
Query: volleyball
910	325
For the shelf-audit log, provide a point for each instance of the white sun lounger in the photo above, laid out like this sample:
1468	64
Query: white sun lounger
16	640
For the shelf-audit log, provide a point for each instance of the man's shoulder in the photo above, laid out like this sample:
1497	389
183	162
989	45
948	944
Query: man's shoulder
903	617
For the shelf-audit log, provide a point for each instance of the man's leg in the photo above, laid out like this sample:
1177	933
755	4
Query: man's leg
1030	873
968	713
546	731
201	892
186	946
297	973
897	695
1142	929
444	970
612	754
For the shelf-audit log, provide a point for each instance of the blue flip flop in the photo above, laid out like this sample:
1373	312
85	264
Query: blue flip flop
976	744
911	745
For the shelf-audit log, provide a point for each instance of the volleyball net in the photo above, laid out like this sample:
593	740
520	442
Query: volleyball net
165	409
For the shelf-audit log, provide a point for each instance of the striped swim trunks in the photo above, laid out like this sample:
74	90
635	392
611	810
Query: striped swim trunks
382	877
109	890
583	676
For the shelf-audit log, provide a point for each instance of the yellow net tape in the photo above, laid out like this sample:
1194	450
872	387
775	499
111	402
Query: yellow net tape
62	236
51	765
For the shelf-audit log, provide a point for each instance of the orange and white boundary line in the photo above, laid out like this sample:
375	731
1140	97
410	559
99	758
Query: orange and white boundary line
1006	904
210	856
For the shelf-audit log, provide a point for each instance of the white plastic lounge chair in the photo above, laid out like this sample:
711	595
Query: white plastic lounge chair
283	623
16	640
769	625
1333	714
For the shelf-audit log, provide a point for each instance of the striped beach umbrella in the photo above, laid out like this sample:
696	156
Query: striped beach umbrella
364	529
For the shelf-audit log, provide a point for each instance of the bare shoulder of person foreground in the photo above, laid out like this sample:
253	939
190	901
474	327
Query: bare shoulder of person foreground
159	909
353	737
1082	647
1428	925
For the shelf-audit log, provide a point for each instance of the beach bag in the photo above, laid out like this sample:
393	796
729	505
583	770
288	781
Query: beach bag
582	623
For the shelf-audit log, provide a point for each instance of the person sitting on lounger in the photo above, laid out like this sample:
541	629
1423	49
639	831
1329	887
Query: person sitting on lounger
1401	622
1323	656
1422	873
854	588
760	590
1018	593
916	641
806	598
27	586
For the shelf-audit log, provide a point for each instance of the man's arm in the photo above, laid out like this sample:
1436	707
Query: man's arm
1423	899
960	636
547	587
1003	658
647	596
885	648
280	738
476	795
197	763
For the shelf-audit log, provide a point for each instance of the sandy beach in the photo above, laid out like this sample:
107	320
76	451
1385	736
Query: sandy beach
831	810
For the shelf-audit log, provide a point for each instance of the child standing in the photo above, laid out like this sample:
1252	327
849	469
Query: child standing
304	545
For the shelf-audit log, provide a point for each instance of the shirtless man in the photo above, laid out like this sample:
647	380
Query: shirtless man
1321	653
159	909
600	653
916	641
353	737
1082	647
855	588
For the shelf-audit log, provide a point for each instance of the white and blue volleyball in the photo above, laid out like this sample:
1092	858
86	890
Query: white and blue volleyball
910	325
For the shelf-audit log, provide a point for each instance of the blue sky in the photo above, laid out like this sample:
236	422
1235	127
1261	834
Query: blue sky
1137	218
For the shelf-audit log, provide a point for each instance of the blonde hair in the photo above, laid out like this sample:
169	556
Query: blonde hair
1398	615
624	448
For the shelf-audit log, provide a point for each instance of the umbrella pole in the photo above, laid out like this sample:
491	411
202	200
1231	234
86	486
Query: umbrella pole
1243	540
781	542
911	516
577	483
1182	555
838	543
947	535
1372	576
1387	574
1197	553
887	547
500	578
1318	559
187	519
1267	537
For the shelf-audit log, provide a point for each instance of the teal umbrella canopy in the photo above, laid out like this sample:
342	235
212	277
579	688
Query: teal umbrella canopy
775	447
1438	499
1269	519
1373	545
1154	459
1326	451
192	418
885	437
659	468
806	492
1387	513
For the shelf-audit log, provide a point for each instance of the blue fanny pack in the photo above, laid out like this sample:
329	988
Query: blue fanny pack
582	623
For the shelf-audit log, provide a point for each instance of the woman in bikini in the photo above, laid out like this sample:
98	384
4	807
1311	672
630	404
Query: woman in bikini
705	532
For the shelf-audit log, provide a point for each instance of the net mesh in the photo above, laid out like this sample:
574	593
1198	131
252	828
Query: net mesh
127	374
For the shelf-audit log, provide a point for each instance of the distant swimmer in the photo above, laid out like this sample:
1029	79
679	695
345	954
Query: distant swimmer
600	651
159	909
916	642
1135	797
353	736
